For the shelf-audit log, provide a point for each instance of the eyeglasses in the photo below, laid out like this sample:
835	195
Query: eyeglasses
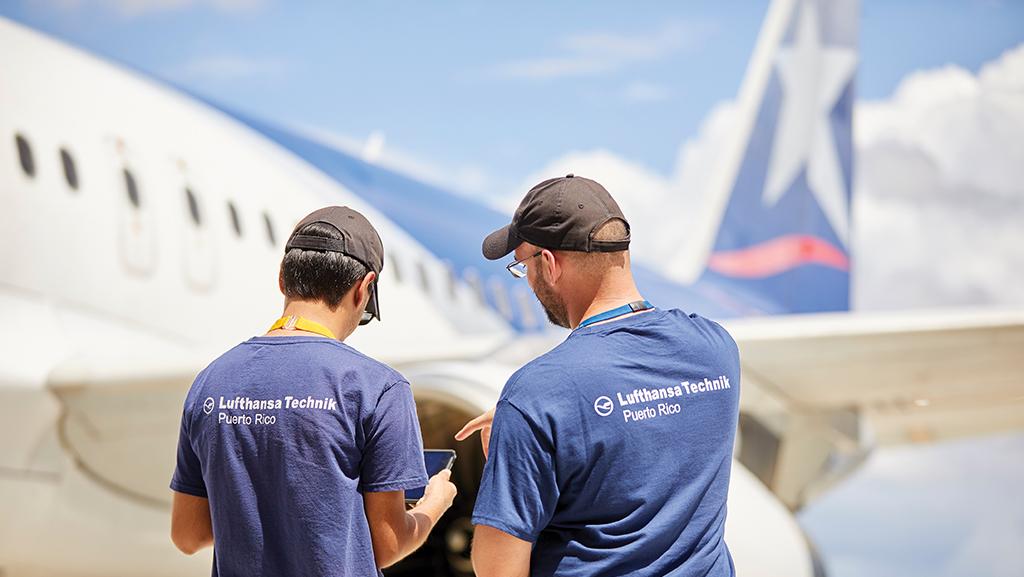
518	268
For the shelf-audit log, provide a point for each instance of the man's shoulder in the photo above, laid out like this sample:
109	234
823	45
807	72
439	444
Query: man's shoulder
333	356
372	366
711	330
223	363
543	374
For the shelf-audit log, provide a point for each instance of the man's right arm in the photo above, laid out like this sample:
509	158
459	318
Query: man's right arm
518	491
395	531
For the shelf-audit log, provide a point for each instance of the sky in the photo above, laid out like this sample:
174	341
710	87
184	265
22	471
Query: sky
505	87
487	99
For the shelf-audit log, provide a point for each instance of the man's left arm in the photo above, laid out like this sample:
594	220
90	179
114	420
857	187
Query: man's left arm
191	527
498	554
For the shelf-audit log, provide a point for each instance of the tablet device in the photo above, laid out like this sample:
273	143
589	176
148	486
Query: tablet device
436	460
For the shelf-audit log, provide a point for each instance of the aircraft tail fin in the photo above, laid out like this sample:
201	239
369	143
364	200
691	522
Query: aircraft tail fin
785	182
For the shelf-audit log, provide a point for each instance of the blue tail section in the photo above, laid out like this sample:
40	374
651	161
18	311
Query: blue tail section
784	234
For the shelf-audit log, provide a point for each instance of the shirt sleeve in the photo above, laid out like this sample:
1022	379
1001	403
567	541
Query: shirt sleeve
188	473
393	454
519	490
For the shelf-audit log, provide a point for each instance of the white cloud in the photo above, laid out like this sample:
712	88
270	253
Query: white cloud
593	54
970	125
646	92
227	68
133	8
940	190
136	8
467	180
556	67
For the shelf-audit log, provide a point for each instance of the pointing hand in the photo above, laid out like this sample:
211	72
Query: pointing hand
482	424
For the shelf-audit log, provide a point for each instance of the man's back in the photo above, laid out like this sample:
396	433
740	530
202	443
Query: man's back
283	435
613	451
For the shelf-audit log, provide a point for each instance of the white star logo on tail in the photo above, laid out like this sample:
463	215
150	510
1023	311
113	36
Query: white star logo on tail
813	77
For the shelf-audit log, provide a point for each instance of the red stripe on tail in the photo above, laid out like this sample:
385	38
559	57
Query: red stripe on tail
777	256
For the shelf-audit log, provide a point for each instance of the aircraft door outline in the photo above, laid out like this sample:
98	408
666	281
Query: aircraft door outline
136	208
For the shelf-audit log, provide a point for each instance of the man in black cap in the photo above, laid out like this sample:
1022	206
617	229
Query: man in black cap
609	455
295	449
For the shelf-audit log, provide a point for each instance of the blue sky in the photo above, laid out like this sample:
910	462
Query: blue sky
492	92
481	96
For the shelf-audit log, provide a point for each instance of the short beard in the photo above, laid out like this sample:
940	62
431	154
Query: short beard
553	306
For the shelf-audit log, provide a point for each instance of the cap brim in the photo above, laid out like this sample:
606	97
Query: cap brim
500	243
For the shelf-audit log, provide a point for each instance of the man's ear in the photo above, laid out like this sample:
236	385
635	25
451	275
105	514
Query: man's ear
362	293
552	269
280	281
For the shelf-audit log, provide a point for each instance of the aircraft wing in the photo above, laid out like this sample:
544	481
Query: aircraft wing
120	416
914	377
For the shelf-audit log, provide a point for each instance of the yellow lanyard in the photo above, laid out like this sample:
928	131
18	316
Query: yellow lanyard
291	323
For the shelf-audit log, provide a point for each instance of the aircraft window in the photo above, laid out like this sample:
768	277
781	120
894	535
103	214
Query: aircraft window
131	188
501	300
28	164
526	310
193	207
424	278
70	173
236	220
453	283
472	279
396	268
270	229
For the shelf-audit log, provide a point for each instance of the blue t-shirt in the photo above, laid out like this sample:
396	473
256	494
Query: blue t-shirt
612	452
283	435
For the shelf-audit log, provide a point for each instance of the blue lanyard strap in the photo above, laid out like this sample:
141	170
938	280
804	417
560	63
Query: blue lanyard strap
633	307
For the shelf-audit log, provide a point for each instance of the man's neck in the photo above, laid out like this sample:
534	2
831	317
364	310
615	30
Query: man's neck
609	295
315	312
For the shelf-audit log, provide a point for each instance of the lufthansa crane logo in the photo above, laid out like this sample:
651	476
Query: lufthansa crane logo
208	405
603	406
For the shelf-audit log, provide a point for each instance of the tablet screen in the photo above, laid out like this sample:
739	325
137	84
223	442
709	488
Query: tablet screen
436	461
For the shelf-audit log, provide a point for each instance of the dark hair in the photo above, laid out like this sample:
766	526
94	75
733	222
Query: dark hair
323	276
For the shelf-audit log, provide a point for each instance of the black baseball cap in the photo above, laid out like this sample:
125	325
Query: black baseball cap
560	214
359	240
